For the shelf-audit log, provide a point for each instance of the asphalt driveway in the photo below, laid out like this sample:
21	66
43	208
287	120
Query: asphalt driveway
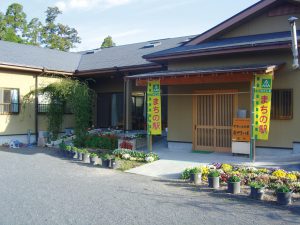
37	187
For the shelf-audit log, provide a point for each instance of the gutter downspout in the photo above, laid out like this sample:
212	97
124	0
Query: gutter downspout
36	105
292	21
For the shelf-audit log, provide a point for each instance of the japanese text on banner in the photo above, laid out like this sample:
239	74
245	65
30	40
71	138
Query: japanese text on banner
154	108
262	106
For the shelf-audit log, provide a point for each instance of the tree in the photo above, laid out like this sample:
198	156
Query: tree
108	42
33	32
14	28
14	22
58	36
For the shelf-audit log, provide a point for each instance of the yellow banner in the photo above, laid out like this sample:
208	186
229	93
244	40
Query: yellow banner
262	106
154	108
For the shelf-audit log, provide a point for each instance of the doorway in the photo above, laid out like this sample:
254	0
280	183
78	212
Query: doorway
213	113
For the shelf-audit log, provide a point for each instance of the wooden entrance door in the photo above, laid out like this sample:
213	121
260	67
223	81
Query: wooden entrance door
213	118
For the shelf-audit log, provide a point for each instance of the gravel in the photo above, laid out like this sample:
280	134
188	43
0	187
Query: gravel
39	187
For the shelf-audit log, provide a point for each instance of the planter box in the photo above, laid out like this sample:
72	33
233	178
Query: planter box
132	142
141	142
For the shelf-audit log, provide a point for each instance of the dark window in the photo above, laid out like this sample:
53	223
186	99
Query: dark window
110	110
9	101
282	104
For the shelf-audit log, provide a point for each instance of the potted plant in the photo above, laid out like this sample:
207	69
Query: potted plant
75	151
257	190
284	195
234	184
196	175
214	179
112	162
69	151
105	160
85	156
79	154
94	159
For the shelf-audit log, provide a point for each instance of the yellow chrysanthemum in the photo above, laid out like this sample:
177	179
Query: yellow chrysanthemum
291	177
226	168
279	173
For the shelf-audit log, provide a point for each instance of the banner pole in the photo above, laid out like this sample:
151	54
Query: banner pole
252	142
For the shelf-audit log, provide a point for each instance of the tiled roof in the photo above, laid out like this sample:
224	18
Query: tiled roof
227	43
125	55
36	57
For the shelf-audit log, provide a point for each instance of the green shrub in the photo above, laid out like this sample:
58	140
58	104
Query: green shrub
186	174
257	185
214	173
283	189
195	170
234	179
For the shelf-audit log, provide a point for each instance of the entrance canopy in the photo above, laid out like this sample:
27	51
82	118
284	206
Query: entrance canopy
233	74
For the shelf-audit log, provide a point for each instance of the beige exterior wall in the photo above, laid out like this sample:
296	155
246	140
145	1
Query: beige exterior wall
261	25
283	132
25	120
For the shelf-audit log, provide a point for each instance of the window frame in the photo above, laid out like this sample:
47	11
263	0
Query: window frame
280	117
2	100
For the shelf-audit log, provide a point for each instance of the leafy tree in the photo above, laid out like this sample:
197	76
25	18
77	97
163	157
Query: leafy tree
58	36
108	42
33	32
14	28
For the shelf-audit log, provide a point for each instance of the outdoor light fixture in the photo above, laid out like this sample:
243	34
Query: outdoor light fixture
292	20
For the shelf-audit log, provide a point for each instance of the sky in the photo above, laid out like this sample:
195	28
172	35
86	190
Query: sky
132	21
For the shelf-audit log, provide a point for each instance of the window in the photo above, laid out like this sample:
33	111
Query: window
282	104
9	101
44	103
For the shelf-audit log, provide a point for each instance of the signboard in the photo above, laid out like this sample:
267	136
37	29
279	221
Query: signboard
262	106
241	129
154	108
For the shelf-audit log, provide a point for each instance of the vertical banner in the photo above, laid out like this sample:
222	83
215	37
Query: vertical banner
154	108
262	106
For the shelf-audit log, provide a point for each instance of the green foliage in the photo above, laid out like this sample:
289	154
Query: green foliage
93	155
186	174
14	28
214	173
140	156
234	179
80	98
109	142
195	170
108	42
154	155
62	146
257	185
283	189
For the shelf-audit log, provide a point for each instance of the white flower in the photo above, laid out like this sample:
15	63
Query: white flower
251	169
132	159
211	167
149	159
126	156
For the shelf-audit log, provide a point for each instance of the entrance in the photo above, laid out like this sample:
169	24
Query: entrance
213	113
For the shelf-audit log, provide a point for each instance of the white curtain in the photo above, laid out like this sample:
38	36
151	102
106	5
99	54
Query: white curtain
14	101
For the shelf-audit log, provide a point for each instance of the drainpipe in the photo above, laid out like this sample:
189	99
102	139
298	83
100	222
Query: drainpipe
292	21
36	105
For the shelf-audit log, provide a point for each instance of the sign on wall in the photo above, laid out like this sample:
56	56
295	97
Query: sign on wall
241	129
262	106
154	108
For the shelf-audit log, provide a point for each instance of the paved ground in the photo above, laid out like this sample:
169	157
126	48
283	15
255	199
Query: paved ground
40	188
174	161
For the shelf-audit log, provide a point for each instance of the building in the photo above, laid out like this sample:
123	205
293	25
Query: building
206	79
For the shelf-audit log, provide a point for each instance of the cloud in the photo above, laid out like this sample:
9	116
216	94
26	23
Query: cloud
89	4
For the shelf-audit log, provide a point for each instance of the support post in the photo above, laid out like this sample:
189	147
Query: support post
128	104
36	102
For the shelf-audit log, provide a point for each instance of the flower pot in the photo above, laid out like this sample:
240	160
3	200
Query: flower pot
94	160
284	198
105	163
257	193
112	164
86	157
80	156
214	182
234	187
197	178
75	156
